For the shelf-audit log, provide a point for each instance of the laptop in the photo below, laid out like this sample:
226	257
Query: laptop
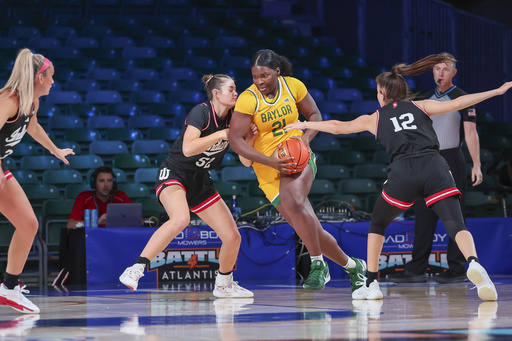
124	215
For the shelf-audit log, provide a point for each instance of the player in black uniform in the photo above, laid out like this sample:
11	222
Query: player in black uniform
451	130
184	185
31	78
416	170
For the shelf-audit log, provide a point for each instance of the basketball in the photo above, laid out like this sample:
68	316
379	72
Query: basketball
297	149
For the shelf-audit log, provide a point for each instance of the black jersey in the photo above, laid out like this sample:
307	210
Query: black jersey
449	127
204	118
12	132
404	128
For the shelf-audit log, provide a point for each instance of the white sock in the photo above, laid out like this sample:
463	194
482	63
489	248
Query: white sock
224	280
314	258
350	264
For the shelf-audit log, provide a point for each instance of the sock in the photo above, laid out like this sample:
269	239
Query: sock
372	276
472	258
10	281
350	264
143	260
314	258
226	273
224	279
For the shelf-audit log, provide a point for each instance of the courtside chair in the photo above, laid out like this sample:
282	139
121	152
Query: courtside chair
25	177
124	134
103	97
55	217
364	106
105	122
84	162
150	147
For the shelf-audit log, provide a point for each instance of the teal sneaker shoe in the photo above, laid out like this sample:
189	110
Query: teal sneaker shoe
318	276
357	274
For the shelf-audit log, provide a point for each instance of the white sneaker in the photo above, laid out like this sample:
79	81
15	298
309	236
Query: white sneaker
230	289
131	275
16	300
368	293
479	277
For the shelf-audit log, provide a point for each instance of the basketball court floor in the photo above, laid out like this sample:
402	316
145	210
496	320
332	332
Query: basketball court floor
279	311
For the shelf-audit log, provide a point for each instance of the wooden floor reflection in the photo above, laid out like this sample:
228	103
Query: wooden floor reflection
278	312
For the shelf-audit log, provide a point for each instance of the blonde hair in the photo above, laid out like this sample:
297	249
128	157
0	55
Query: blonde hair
22	76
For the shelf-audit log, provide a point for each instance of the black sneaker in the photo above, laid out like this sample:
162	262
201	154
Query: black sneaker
449	277
408	277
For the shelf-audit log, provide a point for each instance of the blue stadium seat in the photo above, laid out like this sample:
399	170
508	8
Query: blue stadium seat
131	162
24	32
60	32
64	122
322	83
123	134
84	110
181	73
85	161
164	85
347	95
82	85
134	190
150	147
25	177
364	106
142	74
201	63
73	190
159	42
229	41
26	149
192	42
82	42
145	176
238	173
123	109
134	52
44	43
147	97
97	31
61	177
103	97
188	96
103	74
164	133
145	122
108	148
332	107
83	136
105	122
63	97
125	86
39	163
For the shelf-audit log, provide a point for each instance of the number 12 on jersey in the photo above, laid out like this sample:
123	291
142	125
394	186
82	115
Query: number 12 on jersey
403	122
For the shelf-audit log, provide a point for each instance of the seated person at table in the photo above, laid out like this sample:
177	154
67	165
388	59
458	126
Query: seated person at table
103	185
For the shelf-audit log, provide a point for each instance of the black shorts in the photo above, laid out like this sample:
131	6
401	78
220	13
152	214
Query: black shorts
199	187
421	176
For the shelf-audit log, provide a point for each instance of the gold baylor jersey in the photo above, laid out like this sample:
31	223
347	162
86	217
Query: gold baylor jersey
270	116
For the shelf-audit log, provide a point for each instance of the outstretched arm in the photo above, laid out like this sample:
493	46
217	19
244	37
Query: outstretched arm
437	108
362	123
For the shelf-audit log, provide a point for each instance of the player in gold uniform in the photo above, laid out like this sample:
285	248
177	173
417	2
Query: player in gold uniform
272	102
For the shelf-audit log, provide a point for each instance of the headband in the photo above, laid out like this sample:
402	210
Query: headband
46	65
